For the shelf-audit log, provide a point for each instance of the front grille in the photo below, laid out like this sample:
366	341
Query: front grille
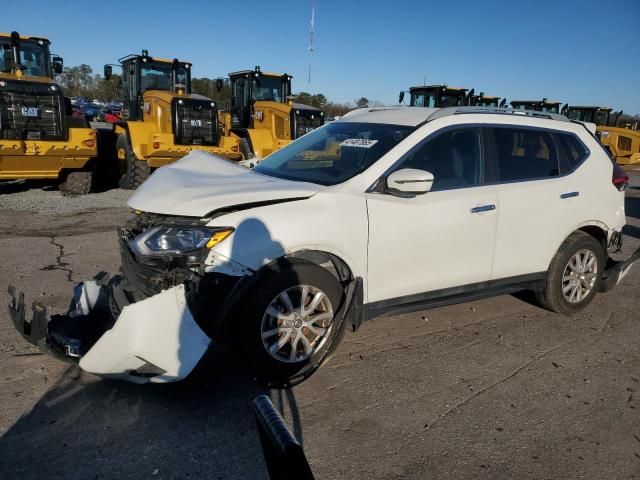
31	113
195	122
306	120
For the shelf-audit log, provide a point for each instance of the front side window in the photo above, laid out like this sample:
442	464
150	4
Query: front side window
334	153
454	157
524	154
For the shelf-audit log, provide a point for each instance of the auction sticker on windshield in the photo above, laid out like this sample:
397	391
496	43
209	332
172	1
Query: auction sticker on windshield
358	142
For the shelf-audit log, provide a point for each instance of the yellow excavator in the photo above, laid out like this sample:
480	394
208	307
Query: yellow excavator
161	120
263	113
622	142
39	137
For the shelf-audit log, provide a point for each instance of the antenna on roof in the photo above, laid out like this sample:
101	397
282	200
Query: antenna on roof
311	32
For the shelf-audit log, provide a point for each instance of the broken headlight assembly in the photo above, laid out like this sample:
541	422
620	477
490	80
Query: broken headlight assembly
183	245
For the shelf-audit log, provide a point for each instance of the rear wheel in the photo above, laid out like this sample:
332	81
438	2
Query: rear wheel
77	183
574	276
291	323
133	171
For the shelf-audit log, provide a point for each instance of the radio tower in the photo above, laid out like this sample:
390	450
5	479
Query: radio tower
311	32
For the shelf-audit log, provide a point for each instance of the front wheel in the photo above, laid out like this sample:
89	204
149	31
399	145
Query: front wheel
574	276
133	171
291	323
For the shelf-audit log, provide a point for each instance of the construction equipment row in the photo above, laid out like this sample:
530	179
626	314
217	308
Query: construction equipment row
623	142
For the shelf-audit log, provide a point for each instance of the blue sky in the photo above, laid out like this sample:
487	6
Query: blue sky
569	50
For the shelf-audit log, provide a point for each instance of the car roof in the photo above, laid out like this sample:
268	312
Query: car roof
409	116
416	116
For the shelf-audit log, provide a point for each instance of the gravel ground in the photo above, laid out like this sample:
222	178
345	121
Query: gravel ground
47	200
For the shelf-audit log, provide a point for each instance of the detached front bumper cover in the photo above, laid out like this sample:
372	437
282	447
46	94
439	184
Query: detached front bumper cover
154	340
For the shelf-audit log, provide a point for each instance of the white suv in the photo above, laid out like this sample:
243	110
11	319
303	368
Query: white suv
384	211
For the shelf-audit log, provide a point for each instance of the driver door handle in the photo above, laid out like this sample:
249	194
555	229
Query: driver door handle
483	208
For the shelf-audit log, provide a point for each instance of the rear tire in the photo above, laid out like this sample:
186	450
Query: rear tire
77	183
574	276
134	171
245	149
314	332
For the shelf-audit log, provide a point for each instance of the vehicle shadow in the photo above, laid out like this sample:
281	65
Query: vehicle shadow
84	427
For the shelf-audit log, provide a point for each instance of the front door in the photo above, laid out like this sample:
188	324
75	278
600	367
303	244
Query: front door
439	240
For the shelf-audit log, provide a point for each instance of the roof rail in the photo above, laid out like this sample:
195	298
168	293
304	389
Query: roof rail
445	112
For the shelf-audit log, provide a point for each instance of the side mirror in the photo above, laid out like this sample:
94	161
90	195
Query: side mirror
410	181
219	84
401	97
56	64
108	70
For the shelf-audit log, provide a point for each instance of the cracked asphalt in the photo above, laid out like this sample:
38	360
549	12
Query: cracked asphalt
494	389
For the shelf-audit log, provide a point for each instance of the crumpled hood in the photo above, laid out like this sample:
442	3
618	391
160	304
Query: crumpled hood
201	183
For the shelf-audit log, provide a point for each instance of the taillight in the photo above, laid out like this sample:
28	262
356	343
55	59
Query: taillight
620	178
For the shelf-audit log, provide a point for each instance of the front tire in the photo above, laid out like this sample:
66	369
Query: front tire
574	276
290	324
134	171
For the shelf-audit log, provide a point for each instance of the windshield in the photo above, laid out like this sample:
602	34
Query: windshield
602	117
423	99
157	76
334	153
267	89
34	57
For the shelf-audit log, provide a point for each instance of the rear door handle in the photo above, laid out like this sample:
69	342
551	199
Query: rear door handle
483	208
569	195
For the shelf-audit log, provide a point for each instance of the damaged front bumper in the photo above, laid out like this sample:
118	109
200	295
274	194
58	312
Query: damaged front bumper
153	340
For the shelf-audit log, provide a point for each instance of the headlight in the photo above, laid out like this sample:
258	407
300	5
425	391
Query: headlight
176	240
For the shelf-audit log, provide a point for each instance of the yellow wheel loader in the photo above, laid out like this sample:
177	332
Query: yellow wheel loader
436	96
39	139
623	143
483	100
262	113
544	105
162	120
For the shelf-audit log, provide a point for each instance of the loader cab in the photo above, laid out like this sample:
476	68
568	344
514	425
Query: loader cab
486	101
251	86
27	56
544	105
598	115
141	73
438	96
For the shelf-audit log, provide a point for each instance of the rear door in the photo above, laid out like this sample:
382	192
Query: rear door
539	195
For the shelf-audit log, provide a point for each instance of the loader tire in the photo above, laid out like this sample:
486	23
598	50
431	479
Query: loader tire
134	171
77	183
245	149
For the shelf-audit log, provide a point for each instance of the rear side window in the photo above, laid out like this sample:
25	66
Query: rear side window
571	150
453	156
524	154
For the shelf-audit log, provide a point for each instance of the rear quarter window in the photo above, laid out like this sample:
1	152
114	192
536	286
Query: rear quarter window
571	151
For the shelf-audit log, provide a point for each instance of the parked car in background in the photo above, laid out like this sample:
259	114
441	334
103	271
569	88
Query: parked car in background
387	210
